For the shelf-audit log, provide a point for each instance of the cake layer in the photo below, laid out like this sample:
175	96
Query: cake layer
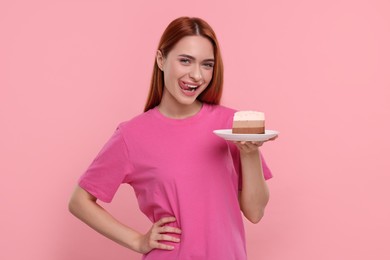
248	116
253	123
248	130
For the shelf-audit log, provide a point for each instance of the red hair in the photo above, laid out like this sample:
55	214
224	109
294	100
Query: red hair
176	30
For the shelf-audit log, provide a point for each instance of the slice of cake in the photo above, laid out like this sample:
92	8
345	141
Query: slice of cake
248	122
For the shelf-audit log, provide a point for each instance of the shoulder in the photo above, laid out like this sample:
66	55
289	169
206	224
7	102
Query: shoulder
220	116
136	122
221	110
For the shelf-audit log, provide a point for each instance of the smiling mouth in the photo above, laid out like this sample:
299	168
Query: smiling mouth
189	87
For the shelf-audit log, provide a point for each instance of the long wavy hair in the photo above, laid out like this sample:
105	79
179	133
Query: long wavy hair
176	30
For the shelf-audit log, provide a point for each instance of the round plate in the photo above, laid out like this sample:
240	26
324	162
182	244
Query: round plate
228	135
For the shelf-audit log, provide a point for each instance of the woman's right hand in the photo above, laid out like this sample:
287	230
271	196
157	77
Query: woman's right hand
158	232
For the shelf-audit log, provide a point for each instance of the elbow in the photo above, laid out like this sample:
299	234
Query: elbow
79	201
76	201
255	217
72	206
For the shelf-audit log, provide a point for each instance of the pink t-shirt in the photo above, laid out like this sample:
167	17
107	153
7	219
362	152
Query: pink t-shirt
180	168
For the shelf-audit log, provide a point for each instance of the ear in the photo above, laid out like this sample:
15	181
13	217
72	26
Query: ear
160	60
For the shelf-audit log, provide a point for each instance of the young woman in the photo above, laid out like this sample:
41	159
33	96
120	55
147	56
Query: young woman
190	183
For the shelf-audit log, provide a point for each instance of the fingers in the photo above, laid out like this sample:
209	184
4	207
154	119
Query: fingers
159	233
154	244
248	146
257	143
163	246
273	138
242	143
169	229
163	237
165	220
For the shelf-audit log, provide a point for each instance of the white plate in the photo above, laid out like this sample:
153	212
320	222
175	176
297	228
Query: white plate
228	135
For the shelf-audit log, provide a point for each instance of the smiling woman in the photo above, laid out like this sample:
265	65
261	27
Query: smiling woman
187	73
177	30
191	184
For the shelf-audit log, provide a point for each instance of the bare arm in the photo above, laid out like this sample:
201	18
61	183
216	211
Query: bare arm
255	194
85	207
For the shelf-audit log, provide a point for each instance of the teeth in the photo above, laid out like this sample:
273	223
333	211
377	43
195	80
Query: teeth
190	90
191	86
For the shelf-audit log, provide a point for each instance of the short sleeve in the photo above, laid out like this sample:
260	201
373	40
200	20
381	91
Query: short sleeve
108	170
237	165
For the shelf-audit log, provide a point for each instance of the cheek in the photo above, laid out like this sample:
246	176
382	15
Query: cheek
208	75
169	75
177	71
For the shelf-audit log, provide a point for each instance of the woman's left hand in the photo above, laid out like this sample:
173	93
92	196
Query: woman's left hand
248	147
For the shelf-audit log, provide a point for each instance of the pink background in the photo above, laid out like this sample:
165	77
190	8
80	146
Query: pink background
70	71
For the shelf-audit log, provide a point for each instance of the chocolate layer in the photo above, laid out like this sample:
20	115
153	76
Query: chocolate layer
247	123
248	130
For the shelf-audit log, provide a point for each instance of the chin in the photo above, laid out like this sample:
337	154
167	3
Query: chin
187	101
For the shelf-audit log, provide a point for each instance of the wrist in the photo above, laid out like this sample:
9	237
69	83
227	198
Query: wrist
249	154
135	242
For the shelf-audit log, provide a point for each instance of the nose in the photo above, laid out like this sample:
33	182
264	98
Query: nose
196	73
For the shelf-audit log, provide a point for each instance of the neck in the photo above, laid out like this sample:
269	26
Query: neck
177	110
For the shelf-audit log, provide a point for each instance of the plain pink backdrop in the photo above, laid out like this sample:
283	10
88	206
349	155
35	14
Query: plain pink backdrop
70	71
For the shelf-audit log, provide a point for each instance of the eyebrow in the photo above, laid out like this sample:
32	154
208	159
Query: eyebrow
193	58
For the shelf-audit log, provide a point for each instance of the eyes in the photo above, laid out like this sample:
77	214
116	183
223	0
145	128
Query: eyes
207	64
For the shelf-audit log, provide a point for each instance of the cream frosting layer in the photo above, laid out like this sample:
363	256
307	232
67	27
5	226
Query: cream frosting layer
248	116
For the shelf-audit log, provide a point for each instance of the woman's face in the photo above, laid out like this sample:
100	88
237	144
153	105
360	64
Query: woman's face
188	69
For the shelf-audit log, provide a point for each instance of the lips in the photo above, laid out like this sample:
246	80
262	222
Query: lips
189	86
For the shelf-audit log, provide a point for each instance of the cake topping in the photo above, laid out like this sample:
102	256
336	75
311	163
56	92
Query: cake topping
248	115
